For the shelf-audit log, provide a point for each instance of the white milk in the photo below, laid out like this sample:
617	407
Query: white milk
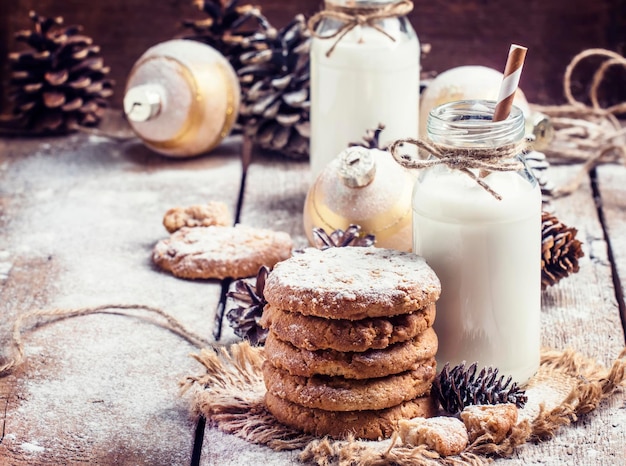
487	255
368	79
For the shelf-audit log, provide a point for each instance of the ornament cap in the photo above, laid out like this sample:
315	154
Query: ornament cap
540	129
143	102
357	167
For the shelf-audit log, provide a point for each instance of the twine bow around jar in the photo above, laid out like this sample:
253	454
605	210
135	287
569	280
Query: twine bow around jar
501	159
353	16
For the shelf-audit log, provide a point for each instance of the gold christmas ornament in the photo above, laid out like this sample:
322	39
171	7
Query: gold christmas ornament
182	98
365	187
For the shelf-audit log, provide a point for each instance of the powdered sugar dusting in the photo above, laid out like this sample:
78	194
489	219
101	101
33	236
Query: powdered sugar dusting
102	387
350	270
32	447
385	280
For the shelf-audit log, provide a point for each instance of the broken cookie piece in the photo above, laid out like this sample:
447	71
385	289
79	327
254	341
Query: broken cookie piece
204	215
446	435
494	420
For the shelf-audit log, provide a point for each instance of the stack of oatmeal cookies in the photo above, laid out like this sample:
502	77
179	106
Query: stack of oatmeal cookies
351	349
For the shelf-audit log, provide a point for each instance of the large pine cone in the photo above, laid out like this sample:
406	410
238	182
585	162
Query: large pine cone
273	70
61	82
560	250
229	27
275	86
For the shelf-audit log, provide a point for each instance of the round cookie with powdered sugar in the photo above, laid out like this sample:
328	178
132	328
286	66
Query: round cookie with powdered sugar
220	251
401	357
370	425
341	394
317	333
352	283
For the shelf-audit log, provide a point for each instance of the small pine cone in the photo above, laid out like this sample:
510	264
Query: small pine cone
60	83
560	250
371	139
244	319
275	90
459	387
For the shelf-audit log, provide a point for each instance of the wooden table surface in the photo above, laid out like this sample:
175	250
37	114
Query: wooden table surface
79	216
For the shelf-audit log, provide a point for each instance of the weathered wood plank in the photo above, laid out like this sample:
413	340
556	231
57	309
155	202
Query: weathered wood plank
581	313
80	217
613	197
273	198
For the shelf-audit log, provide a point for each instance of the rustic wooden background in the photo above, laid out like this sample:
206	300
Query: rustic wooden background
461	32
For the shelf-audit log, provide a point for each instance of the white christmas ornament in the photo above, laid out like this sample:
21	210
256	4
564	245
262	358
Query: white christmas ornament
465	83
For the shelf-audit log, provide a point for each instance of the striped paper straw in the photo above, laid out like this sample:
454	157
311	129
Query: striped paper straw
512	73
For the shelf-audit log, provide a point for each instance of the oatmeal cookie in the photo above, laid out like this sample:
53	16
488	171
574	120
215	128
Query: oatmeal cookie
401	357
371	424
220	252
340	394
317	333
352	283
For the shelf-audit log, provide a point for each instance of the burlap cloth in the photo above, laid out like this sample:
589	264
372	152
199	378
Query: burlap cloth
230	394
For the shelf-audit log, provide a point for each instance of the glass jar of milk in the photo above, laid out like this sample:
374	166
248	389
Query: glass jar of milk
486	251
368	76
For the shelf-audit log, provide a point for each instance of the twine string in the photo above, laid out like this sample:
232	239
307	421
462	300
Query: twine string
352	17
37	316
501	158
588	134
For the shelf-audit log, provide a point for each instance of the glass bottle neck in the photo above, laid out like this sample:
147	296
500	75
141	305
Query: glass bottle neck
468	123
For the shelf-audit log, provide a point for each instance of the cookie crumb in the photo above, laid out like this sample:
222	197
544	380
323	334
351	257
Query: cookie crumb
494	420
446	435
204	215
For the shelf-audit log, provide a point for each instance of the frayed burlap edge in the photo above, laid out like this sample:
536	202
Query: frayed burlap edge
230	395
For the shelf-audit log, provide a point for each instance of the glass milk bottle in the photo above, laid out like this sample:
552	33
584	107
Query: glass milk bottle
362	79
485	251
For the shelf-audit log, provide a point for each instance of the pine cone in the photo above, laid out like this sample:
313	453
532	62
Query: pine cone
460	387
560	250
229	28
273	70
245	319
339	238
371	140
275	90
539	165
61	83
